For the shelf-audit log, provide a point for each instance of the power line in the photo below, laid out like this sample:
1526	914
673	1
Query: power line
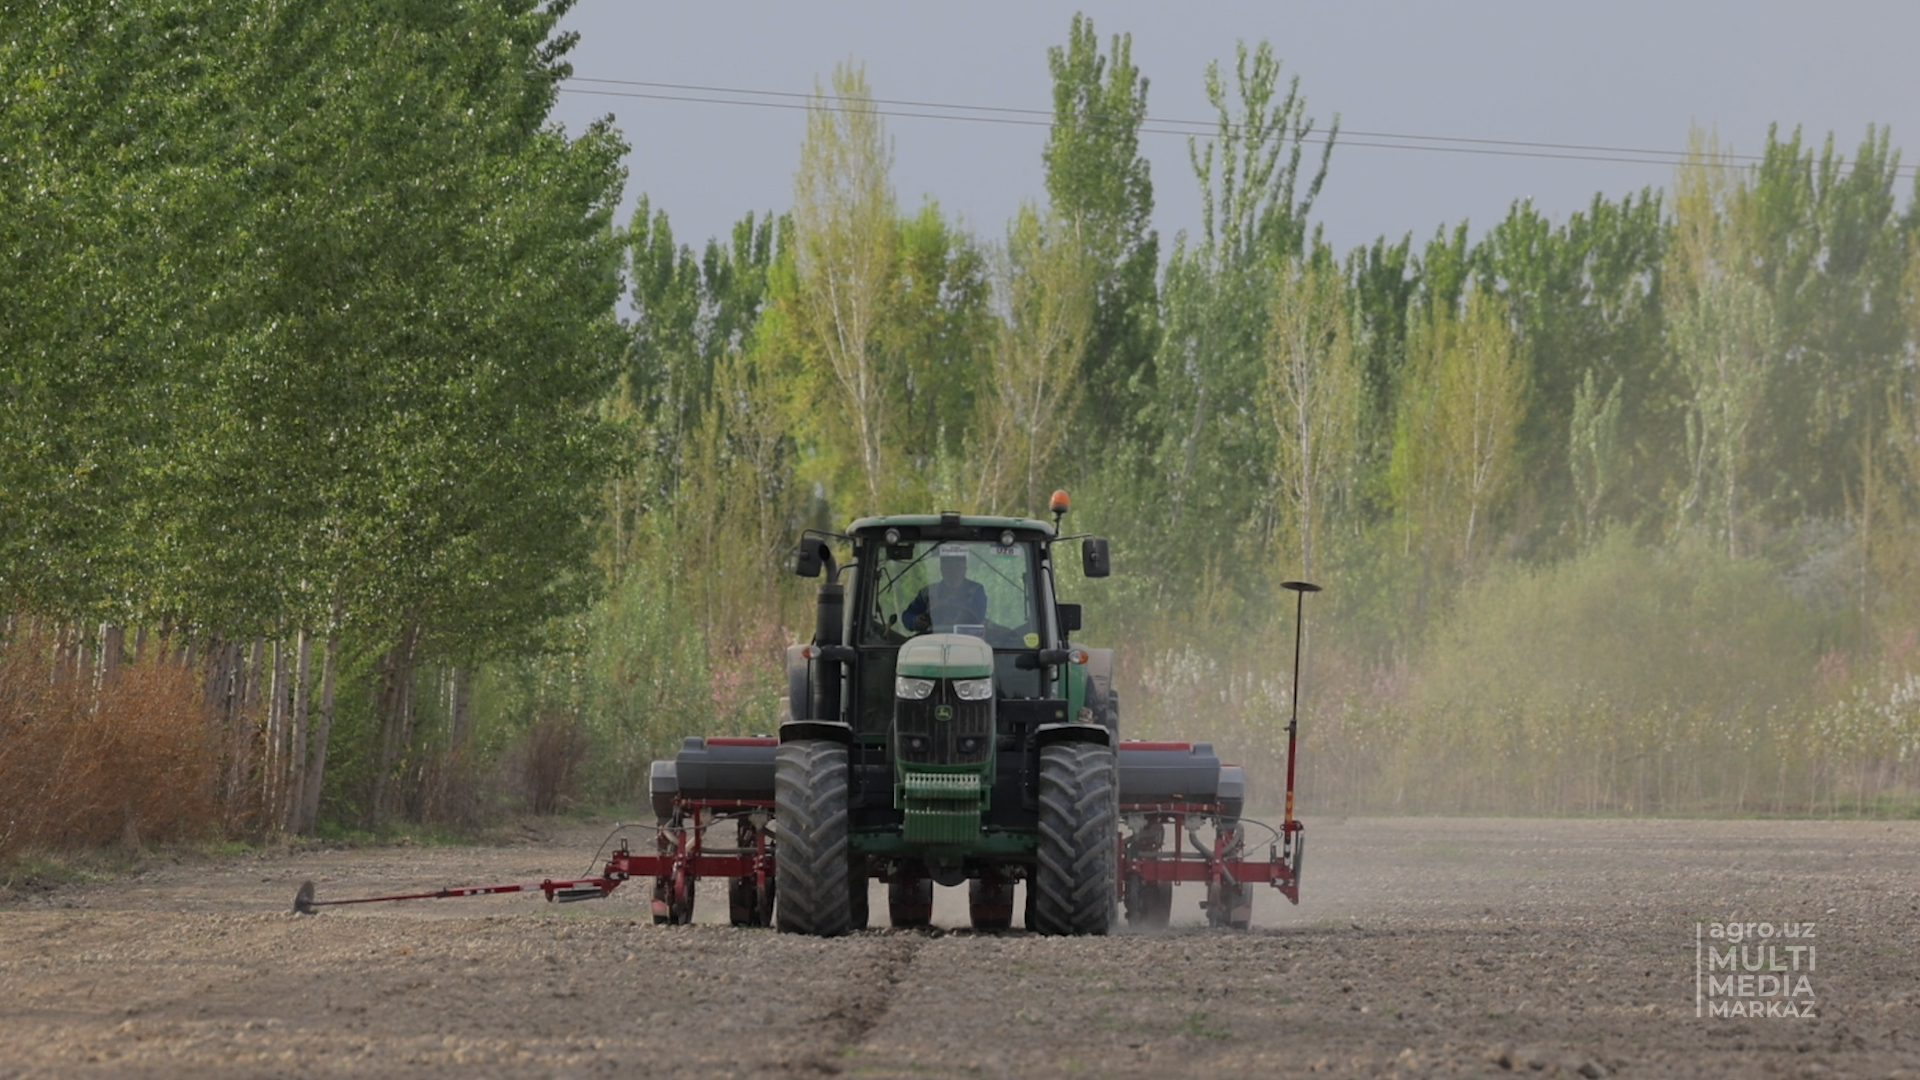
1018	117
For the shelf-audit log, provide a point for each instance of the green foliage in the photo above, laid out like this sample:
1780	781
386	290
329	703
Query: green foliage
939	327
1214	451
1829	250
1645	629
1313	391
1038	364
1629	678
1097	179
1584	296
322	309
845	233
311	332
1594	451
359	342
1726	337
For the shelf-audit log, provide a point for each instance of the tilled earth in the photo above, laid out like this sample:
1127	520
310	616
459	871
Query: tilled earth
1423	947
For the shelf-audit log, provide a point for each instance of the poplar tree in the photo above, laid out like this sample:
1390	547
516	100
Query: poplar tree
1215	452
1098	181
1724	333
1034	381
845	233
1313	394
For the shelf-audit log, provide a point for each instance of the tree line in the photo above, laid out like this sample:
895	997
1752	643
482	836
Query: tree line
309	308
332	381
1726	366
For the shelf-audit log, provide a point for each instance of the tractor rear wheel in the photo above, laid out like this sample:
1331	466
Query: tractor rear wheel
810	856
1074	857
910	902
990	902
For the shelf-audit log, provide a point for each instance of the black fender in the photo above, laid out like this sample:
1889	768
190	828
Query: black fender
1049	734
799	682
1101	699
830	730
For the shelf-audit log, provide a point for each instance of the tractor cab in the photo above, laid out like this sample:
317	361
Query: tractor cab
945	607
922	604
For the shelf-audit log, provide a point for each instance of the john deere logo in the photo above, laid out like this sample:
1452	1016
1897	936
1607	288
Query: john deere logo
943	712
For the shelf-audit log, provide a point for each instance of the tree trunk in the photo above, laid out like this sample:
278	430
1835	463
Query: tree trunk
452	770
309	815
394	706
274	766
112	644
240	729
297	756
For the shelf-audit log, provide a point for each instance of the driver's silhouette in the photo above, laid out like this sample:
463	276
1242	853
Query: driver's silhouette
954	599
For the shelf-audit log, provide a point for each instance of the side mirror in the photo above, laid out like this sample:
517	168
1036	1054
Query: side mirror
1069	618
1095	560
806	557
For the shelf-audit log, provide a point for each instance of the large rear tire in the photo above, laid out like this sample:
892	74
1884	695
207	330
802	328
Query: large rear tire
1074	858
810	852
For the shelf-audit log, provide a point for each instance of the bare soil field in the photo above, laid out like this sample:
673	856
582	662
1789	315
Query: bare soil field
1421	947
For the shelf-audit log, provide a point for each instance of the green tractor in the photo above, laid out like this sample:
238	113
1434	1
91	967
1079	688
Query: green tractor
945	729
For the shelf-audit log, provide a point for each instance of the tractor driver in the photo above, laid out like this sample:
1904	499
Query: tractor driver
954	599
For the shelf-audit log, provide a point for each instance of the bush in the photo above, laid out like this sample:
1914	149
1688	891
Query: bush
134	759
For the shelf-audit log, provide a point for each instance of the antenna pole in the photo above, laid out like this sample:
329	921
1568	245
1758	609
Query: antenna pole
1300	589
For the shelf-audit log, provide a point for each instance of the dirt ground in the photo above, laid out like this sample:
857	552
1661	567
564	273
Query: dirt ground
1422	947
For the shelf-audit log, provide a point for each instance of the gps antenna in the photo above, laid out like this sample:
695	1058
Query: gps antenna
1301	589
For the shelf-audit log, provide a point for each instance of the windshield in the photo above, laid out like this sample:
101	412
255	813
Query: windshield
953	587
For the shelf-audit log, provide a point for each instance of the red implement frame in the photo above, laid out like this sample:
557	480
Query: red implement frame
1215	867
1225	868
680	857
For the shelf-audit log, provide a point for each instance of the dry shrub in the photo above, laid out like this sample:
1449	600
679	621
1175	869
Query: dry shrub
133	760
550	760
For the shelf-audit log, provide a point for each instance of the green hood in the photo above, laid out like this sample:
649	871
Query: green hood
945	656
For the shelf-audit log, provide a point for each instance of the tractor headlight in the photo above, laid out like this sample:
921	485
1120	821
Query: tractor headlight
973	689
912	689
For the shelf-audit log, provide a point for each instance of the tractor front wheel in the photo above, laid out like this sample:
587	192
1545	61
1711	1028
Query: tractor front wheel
810	855
1074	858
990	901
910	902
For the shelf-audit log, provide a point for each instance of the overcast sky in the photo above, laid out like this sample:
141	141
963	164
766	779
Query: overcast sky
1627	73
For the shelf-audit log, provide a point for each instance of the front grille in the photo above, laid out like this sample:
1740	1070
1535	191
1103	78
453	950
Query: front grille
922	738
